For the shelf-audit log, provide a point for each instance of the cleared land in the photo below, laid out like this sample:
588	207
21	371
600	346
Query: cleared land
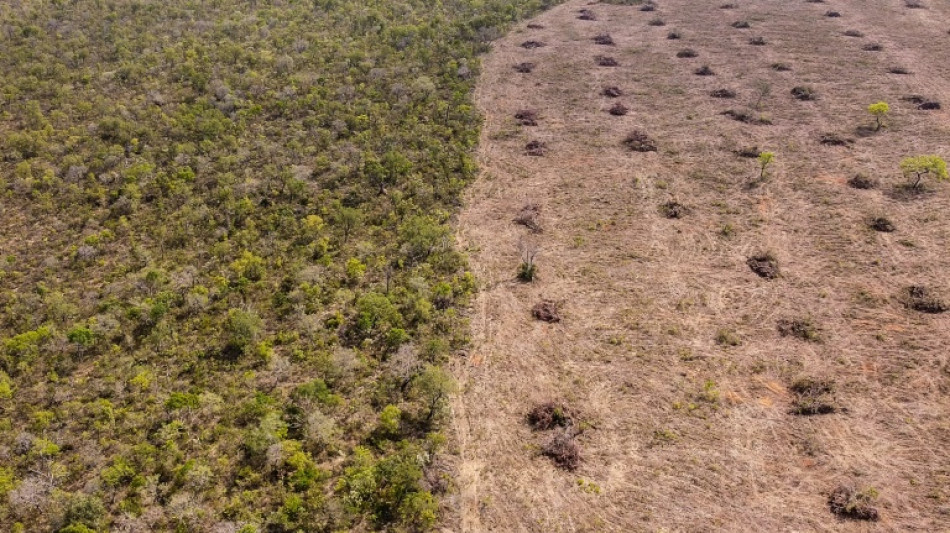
685	368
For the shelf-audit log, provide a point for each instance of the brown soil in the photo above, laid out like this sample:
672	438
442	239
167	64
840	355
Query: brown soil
690	435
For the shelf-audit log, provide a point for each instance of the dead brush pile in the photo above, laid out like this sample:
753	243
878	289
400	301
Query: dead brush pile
639	141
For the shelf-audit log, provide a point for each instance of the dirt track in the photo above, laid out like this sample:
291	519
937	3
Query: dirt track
686	433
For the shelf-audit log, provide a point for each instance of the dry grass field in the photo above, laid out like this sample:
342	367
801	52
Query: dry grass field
683	370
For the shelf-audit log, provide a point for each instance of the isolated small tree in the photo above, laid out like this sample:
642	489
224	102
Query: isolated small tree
879	111
765	159
920	166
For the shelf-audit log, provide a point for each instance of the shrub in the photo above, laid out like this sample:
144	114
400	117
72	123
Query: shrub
879	110
920	167
242	329
765	160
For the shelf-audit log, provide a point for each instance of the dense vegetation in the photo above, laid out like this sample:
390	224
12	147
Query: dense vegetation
228	283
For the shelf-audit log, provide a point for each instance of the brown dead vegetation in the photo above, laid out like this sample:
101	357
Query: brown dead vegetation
549	415
535	148
529	216
923	299
524	68
847	502
618	110
563	450
527	117
639	141
546	311
764	265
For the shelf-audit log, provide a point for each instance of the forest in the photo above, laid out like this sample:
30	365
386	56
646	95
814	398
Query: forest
229	279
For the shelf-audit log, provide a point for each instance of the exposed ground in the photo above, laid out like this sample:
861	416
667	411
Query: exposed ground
669	346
